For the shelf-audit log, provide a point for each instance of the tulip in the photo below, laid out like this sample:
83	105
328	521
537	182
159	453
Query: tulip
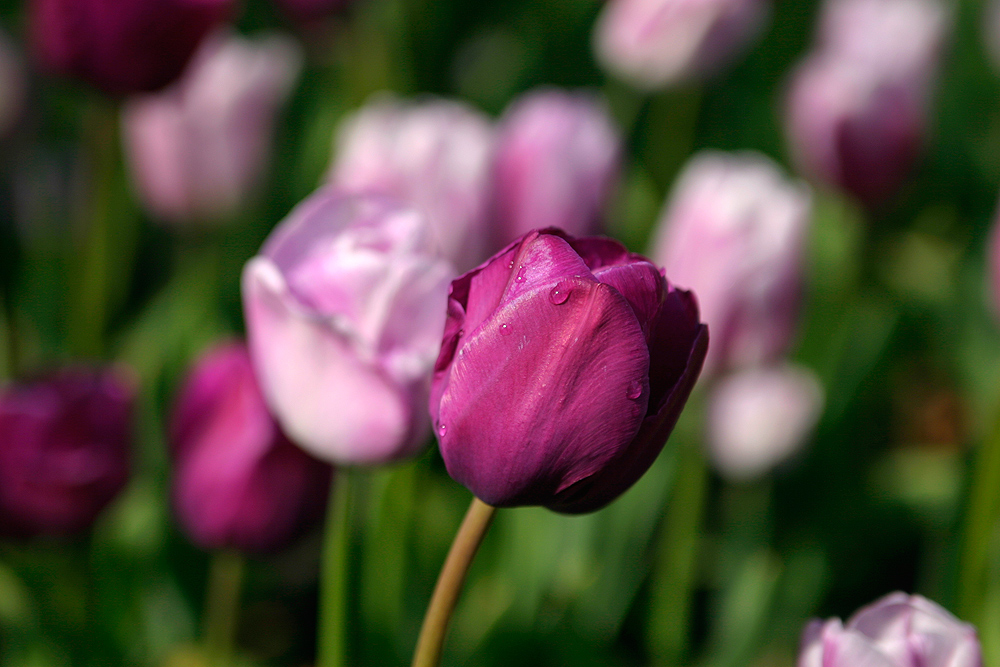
897	631
344	308
760	416
122	46
238	481
433	155
564	366
857	109
13	85
657	43
733	231
64	450
199	149
556	163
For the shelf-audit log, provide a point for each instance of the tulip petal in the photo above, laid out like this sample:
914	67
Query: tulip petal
641	284
569	367
306	368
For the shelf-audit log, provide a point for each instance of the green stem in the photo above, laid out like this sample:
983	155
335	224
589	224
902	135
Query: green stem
676	566
981	516
222	607
332	649
449	584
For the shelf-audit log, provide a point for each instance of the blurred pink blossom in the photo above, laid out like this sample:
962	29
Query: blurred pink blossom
13	85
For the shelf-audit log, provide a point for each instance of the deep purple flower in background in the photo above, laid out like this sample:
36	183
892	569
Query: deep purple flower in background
238	481
433	155
556	163
13	85
657	43
760	416
898	630
344	309
122	46
198	149
734	231
858	107
564	366
65	445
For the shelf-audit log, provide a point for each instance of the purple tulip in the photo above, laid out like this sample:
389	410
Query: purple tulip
857	109
200	148
344	309
657	43
760	416
734	232
897	631
433	155
238	481
564	367
556	164
122	46
64	450
13	85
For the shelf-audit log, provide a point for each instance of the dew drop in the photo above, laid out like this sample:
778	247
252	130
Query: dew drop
461	332
559	294
634	389
442	429
504	330
520	275
511	264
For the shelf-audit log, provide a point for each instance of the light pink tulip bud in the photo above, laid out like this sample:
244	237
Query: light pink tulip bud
433	155
899	630
857	109
13	85
198	149
556	164
656	43
345	307
760	416
733	232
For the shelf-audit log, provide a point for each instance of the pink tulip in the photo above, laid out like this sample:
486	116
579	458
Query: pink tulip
433	155
199	149
344	307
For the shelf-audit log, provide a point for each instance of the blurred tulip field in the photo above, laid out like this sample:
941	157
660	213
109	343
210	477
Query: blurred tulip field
274	309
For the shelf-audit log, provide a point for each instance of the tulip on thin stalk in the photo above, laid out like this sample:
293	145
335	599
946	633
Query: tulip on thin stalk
344	309
239	485
564	366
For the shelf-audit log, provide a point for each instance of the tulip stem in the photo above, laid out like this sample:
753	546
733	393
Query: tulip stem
981	514
449	584
222	607
332	649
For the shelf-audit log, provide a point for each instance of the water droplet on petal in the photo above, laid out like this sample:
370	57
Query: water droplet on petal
559	294
634	389
504	330
511	264
442	429
520	275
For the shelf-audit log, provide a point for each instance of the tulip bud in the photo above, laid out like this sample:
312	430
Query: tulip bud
64	450
434	156
556	163
733	231
760	416
656	43
857	109
564	367
200	148
13	85
122	46
344	309
897	631
238	481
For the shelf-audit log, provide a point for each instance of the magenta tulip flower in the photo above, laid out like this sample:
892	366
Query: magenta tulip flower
858	108
122	46
733	231
199	149
556	163
238	481
657	43
897	631
433	155
64	450
564	366
344	308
